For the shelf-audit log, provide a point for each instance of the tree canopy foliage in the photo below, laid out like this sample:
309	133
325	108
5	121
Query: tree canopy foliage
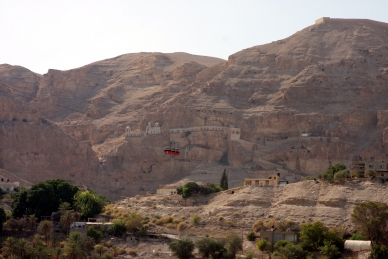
183	249
193	188
331	170
43	198
89	203
224	181
209	247
3	218
371	218
316	236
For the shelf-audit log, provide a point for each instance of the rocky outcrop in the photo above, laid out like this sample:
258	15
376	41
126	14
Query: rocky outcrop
36	149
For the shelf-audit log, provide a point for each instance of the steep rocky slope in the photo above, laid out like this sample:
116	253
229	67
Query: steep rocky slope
301	202
328	80
34	149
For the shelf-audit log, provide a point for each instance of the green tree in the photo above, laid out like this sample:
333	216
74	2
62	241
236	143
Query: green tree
233	243
183	249
379	252
189	189
371	220
95	234
3	218
42	198
334	239
209	247
289	250
313	235
263	245
89	203
330	250
282	243
328	175
341	175
224	180
118	228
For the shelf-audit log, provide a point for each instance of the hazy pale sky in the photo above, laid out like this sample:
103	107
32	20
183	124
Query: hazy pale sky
67	34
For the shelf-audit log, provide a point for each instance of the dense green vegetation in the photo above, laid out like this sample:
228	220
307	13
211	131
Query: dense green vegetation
89	203
193	188
335	172
43	198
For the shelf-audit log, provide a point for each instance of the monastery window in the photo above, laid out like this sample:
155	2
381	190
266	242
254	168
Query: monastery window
381	174
370	166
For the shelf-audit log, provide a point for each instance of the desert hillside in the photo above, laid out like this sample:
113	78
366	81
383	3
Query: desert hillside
316	97
301	202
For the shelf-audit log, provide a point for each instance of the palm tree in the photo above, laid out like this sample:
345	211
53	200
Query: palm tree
64	206
67	219
40	252
9	248
53	241
57	254
88	243
36	241
75	237
74	251
32	221
99	249
23	248
46	227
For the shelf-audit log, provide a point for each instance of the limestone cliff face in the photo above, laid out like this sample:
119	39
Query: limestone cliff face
328	80
36	149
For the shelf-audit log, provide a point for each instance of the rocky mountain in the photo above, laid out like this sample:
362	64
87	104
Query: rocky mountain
301	203
313	98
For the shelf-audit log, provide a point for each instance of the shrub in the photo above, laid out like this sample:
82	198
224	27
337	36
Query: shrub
195	219
229	223
341	175
233	243
251	236
357	236
209	247
263	245
379	251
164	220
271	223
181	226
285	224
117	228
132	252
95	234
249	255
258	226
183	248
171	225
